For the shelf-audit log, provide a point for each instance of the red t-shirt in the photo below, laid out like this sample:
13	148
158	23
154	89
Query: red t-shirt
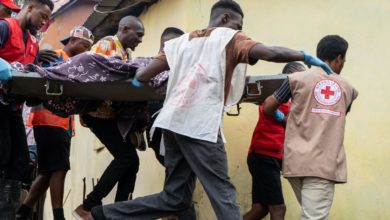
268	136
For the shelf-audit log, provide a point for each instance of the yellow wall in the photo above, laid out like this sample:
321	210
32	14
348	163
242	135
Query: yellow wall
300	25
62	24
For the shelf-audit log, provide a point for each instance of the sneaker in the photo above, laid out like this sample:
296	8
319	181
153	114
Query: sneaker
81	214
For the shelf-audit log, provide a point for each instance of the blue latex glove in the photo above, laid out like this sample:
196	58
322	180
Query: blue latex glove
312	60
5	70
137	83
279	116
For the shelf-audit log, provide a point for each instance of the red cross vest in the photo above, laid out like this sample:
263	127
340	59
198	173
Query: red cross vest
314	138
15	49
268	136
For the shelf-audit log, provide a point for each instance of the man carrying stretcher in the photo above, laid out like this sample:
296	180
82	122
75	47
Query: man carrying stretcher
17	44
206	74
53	135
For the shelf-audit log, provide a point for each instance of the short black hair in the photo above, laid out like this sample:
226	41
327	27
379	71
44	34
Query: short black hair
331	46
227	4
293	67
49	3
172	30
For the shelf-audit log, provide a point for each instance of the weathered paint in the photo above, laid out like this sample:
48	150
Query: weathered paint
76	15
300	25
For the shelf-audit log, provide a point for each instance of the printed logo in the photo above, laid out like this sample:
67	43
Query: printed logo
188	92
325	111
327	92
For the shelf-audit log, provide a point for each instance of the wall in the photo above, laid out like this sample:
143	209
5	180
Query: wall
84	143
298	25
76	15
301	25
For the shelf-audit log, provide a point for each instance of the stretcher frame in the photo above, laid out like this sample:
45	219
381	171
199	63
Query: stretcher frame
33	85
257	89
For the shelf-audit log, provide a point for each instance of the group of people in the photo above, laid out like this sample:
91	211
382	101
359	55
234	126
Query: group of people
300	129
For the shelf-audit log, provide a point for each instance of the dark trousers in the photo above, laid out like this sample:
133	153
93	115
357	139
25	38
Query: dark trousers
122	170
185	159
13	144
155	143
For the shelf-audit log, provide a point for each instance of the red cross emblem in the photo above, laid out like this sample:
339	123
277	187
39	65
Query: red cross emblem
327	92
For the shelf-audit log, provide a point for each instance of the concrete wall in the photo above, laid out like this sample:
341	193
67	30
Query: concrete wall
76	15
299	25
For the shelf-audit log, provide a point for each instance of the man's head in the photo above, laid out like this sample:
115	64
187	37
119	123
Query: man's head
7	7
79	40
130	32
293	67
332	49
169	34
36	13
226	13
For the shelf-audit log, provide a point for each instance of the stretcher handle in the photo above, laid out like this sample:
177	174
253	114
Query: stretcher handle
259	87
238	111
55	88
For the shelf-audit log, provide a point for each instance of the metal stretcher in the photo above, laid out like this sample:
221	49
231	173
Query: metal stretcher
257	89
33	85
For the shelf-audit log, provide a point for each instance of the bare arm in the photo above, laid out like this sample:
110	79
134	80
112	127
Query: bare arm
275	54
155	67
271	104
280	96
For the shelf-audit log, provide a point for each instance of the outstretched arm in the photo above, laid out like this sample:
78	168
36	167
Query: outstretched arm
275	54
271	104
283	55
155	67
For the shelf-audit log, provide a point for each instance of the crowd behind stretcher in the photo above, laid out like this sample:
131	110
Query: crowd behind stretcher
184	130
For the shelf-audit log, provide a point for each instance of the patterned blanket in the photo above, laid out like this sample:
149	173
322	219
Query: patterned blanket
91	67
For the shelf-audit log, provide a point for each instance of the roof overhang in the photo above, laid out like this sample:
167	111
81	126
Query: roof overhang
107	14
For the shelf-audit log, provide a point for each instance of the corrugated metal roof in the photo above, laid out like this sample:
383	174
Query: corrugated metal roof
58	4
104	20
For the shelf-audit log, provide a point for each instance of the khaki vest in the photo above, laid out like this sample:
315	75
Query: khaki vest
315	126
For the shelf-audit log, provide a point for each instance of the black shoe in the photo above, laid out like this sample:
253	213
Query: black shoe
21	217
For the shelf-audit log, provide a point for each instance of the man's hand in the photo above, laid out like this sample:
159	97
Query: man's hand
279	116
47	56
312	60
271	104
152	69
136	83
5	70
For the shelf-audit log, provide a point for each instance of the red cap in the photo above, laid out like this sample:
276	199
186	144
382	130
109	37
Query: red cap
10	4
